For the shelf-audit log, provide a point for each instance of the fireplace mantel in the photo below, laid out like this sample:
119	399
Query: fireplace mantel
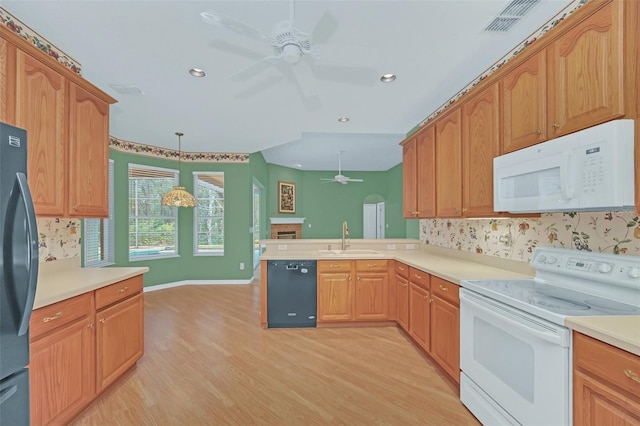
286	220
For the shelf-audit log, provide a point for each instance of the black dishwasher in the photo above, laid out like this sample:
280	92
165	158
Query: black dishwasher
291	293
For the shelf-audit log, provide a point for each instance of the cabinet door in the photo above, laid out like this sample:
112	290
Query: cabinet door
409	176
119	339
402	302
88	154
445	336
7	82
524	104
480	143
335	302
586	72
596	404
449	166
40	109
426	173
61	373
419	315
371	296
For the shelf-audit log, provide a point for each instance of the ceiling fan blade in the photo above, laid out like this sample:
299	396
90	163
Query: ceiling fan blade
324	29
236	49
255	68
214	18
355	180
304	75
259	86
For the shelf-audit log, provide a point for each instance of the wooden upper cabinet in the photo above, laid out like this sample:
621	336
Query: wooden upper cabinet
586	72
88	154
7	82
409	179
40	109
480	143
426	172
418	175
524	104
449	165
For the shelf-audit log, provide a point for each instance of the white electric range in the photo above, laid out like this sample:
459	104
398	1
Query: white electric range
514	348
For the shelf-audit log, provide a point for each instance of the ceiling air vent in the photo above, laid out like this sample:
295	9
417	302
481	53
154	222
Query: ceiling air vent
124	89
510	15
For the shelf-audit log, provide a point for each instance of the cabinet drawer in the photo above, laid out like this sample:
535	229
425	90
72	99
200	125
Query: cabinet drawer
334	266
121	290
445	289
418	277
402	270
372	265
607	362
53	316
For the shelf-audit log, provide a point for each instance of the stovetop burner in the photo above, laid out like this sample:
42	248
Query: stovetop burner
570	283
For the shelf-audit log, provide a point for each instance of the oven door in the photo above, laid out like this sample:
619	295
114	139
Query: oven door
515	365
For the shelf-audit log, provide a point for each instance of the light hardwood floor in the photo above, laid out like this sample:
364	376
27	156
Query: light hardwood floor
208	362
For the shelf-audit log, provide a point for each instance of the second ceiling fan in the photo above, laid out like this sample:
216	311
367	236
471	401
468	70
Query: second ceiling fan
340	178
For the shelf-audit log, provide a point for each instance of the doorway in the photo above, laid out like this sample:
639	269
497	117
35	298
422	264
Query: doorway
373	224
258	229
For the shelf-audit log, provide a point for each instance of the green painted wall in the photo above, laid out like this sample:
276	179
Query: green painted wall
324	206
238	220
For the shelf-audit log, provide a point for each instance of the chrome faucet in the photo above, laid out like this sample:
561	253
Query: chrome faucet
345	233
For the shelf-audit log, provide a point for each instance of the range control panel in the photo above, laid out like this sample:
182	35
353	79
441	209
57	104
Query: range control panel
597	266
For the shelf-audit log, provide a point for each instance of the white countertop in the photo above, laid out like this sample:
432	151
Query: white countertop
66	279
620	331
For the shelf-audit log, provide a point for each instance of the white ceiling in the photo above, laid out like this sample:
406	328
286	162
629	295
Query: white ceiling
435	47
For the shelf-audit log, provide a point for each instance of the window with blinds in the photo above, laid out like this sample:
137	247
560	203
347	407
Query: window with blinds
98	235
209	213
153	228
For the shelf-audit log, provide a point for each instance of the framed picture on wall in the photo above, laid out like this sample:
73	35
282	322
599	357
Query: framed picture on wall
287	197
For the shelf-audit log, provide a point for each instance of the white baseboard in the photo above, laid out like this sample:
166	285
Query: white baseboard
194	282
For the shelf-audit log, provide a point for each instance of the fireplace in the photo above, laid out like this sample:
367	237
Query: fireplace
284	228
287	231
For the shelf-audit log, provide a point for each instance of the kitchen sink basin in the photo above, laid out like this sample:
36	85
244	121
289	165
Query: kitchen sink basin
349	252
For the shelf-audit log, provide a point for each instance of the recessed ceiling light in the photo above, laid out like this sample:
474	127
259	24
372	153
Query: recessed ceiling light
196	72
343	119
298	166
387	78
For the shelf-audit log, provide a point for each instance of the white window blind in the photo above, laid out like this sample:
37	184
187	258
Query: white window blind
98	235
209	213
153	228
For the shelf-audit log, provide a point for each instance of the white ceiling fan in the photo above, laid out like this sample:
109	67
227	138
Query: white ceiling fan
294	48
340	177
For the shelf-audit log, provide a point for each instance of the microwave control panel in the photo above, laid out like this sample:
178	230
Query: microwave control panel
593	177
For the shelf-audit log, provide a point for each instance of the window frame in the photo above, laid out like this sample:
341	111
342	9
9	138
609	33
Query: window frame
176	180
107	234
196	250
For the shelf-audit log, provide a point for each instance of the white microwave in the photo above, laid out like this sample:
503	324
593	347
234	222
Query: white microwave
590	170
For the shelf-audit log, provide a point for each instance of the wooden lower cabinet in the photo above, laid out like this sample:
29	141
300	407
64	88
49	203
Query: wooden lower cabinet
402	295
445	326
62	360
419	315
353	290
76	352
606	384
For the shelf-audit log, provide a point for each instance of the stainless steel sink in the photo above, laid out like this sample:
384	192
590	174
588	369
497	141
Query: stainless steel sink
349	252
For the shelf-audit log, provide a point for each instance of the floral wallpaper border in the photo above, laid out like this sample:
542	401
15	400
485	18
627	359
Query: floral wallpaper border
570	9
516	238
21	29
154	151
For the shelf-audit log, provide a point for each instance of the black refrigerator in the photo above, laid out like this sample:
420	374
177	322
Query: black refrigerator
18	275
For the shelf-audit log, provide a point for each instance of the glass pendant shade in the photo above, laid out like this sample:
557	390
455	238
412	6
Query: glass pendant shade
178	196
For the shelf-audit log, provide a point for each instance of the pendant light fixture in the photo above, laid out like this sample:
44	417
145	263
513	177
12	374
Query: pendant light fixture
178	196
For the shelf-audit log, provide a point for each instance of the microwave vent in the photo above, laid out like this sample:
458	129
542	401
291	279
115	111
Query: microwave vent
510	15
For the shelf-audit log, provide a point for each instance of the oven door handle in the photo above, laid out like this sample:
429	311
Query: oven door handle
507	316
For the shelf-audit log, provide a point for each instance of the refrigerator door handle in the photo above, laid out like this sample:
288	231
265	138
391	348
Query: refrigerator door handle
7	393
20	191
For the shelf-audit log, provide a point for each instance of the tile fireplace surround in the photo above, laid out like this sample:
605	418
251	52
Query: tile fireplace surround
286	228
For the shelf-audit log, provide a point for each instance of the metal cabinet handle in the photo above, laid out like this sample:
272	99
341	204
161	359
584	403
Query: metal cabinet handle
358	278
371	265
122	290
443	288
55	317
103	320
633	376
555	125
538	132
92	325
418	276
334	266
75	207
401	268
